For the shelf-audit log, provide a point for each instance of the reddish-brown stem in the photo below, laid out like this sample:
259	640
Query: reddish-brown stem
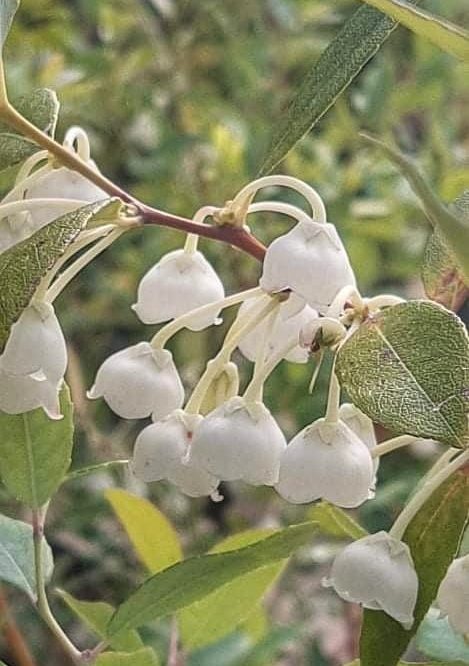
240	238
13	636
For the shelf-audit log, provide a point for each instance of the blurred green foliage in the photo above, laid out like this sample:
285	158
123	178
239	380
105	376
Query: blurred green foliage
179	98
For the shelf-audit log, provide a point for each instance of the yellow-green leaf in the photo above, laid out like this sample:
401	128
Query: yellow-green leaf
222	611
96	615
154	538
335	522
144	657
447	36
186	582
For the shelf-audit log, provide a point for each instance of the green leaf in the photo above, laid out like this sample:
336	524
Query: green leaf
444	34
7	12
433	538
40	107
14	149
154	538
35	452
97	467
437	640
441	278
256	624
335	522
17	556
96	615
357	42
407	368
144	657
222	611
451	222
24	265
189	581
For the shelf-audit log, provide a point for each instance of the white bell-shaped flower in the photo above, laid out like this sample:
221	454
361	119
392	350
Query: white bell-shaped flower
36	343
326	461
377	572
139	381
62	183
239	440
285	327
453	595
161	453
180	282
21	393
311	260
361	425
33	362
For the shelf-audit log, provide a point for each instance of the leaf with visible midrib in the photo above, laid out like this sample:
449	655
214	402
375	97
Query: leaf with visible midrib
143	657
24	265
447	36
223	610
35	452
186	582
40	107
357	42
335	522
407	368
433	537
17	556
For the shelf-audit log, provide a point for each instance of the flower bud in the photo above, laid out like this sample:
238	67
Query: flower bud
285	327
160	453
180	282
377	572
326	461
139	381
239	440
453	595
361	425
311	260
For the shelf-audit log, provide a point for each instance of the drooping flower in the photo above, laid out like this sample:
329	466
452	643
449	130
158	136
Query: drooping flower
33	362
326	461
453	595
61	183
361	425
311	260
285	326
377	572
139	381
161	453
239	440
180	282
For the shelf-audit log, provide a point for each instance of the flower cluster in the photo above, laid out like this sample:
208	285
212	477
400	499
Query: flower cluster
306	302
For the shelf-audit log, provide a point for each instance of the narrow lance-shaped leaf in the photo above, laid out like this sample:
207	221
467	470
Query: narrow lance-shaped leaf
357	42
433	537
35	452
154	538
96	615
335	522
453	227
223	610
407	368
24	265
187	582
444	34
441	276
17	556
